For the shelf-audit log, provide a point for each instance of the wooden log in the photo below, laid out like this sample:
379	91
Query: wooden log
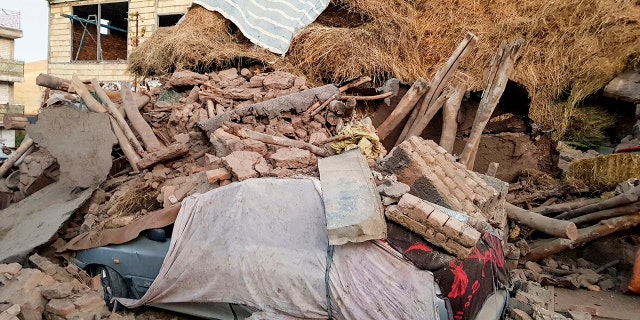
348	86
88	99
15	121
608	213
162	155
279	141
315	108
24	146
418	121
558	228
544	248
56	83
404	107
331	139
132	156
367	98
137	121
113	111
499	71
566	206
450	110
620	200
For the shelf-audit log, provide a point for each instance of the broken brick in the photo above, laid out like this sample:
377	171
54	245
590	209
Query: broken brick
292	158
216	175
57	290
60	307
11	268
241	164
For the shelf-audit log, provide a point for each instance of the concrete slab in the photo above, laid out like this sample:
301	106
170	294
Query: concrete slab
351	200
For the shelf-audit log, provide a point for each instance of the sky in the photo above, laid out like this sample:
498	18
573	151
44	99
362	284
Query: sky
34	20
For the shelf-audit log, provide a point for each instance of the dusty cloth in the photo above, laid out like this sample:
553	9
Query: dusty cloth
270	24
363	135
263	243
466	283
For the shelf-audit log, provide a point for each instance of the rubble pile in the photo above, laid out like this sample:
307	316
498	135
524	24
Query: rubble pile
49	291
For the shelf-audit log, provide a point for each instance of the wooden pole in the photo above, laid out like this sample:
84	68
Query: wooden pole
558	228
620	200
24	146
499	71
415	126
566	206
348	86
137	121
406	104
367	98
608	213
543	248
450	111
112	109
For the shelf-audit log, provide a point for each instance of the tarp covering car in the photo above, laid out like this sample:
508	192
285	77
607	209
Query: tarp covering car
263	243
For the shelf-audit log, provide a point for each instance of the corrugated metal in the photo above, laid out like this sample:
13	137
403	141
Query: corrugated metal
5	49
4	93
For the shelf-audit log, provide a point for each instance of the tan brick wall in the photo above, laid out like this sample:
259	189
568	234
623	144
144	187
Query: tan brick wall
104	71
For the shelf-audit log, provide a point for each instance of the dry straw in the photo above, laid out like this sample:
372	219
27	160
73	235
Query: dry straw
605	172
574	47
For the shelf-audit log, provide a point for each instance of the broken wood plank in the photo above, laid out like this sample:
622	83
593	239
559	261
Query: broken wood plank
348	86
499	71
419	118
137	122
367	98
211	109
628	197
56	83
403	108
162	155
24	146
458	87
558	228
544	248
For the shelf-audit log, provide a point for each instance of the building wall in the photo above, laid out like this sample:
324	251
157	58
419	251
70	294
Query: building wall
5	92
6	48
60	37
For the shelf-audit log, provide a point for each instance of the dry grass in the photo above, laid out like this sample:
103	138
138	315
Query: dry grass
604	172
586	126
574	47
134	200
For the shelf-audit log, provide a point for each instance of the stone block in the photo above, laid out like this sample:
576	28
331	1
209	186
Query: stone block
352	203
186	78
89	302
292	158
43	264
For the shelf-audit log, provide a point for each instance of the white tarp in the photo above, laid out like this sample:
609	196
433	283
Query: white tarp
271	24
263	243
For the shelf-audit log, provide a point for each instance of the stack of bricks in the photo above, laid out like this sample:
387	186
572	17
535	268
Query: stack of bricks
434	225
433	174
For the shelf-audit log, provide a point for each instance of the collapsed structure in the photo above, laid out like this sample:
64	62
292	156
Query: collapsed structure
200	131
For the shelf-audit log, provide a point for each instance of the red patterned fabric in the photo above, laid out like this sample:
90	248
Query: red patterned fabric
467	283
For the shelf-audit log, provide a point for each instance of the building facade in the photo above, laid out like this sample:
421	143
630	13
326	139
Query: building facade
77	45
11	70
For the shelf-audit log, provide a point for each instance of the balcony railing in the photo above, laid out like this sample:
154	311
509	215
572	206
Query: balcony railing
9	19
12	68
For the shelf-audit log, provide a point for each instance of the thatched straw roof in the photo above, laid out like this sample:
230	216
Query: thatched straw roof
574	47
